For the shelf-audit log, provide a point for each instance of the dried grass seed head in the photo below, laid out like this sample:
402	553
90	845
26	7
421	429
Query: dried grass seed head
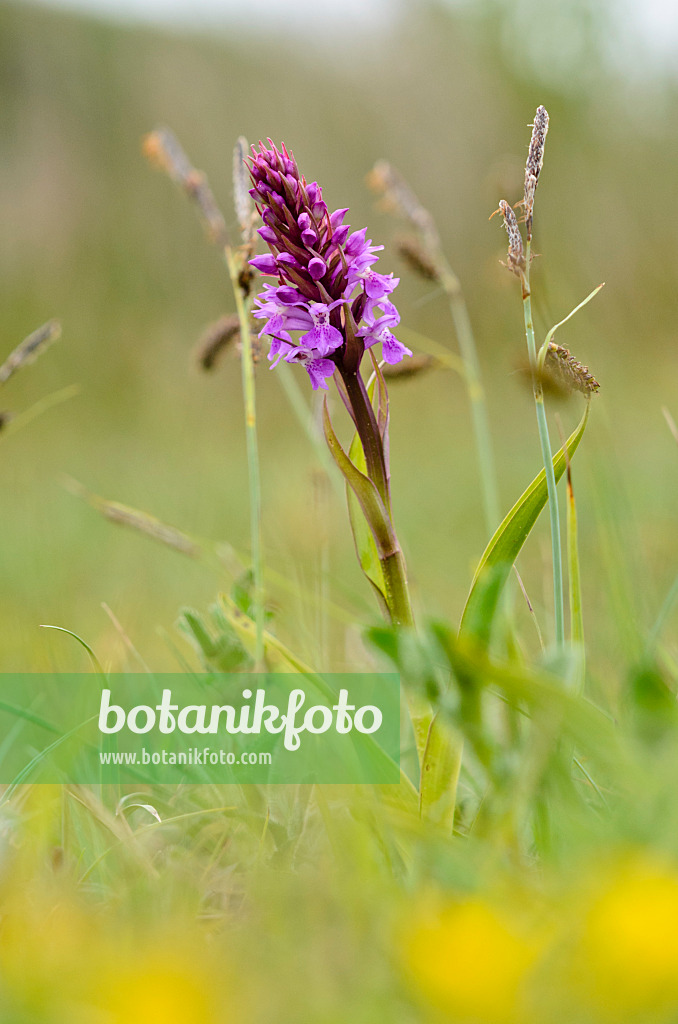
398	197
418	364
570	372
535	162
216	339
164	151
516	254
30	348
417	257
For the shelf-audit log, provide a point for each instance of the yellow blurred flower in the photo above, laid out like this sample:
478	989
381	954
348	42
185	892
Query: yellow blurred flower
471	960
64	962
162	987
627	961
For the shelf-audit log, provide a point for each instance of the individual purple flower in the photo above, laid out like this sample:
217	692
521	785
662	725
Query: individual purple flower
379	330
326	292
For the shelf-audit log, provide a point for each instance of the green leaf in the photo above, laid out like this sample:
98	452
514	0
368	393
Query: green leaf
382	402
576	614
440	768
223	653
536	692
365	545
366	493
578	648
495	565
279	657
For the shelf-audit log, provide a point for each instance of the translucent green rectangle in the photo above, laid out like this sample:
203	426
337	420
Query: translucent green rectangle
266	728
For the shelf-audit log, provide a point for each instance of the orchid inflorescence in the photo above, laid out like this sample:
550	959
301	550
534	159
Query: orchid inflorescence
326	286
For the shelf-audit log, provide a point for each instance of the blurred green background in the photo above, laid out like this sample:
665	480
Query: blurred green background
92	236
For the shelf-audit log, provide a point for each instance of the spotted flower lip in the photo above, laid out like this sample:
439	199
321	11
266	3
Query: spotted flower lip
327	291
375	331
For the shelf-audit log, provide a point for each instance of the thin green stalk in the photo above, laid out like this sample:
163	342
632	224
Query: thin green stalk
576	612
476	394
247	363
665	611
393	564
304	414
368	431
397	589
547	457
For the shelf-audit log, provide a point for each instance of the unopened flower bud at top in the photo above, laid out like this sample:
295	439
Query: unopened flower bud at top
325	282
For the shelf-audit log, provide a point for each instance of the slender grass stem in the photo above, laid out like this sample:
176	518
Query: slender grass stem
305	417
242	307
665	611
547	456
476	394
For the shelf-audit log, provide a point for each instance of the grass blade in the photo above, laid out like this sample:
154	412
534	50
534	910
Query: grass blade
95	660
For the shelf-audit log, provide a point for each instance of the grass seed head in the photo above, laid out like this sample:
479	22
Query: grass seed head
413	367
29	349
399	198
535	162
164	152
573	375
216	339
417	257
516	254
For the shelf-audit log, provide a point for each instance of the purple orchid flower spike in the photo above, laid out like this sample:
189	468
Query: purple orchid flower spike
327	306
326	286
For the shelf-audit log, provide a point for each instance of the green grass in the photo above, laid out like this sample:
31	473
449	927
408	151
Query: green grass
554	894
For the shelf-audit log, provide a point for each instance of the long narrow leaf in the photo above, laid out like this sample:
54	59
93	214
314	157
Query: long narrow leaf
502	551
364	490
574	578
382	401
440	773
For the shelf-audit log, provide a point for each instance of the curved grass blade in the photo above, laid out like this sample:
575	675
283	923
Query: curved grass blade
26	771
95	660
27	715
495	565
38	408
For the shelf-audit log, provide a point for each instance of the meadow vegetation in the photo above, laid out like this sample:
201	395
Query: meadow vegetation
533	874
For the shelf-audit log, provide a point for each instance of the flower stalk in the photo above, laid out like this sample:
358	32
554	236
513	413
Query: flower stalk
327	307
